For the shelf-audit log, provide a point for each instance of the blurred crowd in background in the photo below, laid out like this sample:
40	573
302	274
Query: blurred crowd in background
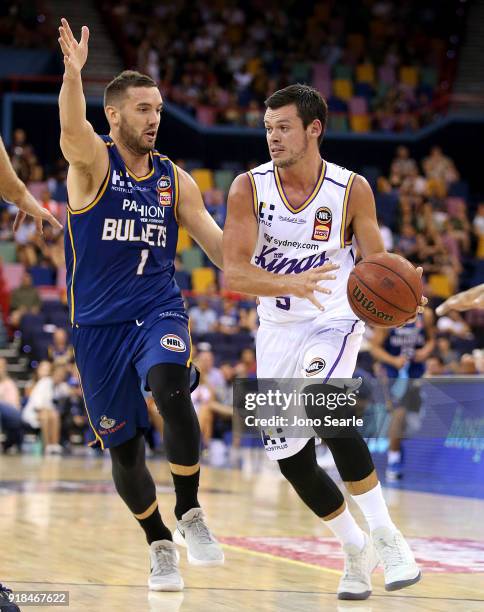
425	213
383	65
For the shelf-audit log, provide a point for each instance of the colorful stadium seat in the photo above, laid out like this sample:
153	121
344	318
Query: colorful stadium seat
365	73
386	74
358	105
343	71
343	88
409	75
223	179
8	252
192	258
360	123
202	279
338	122
203	178
184	240
440	285
321	73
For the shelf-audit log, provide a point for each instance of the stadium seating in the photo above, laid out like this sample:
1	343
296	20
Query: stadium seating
203	178
8	251
202	279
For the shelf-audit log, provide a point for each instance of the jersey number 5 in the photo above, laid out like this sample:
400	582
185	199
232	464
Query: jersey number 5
141	265
284	303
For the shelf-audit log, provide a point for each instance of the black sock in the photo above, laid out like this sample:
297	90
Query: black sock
154	527
186	489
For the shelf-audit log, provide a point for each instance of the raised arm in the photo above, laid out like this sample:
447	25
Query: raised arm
195	218
81	146
239	242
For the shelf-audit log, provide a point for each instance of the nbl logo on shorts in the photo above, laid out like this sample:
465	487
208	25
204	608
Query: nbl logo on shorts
172	342
315	366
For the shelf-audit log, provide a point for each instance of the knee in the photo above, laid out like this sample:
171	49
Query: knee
170	385
129	455
301	466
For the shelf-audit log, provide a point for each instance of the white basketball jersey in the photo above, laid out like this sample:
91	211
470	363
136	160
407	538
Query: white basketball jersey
291	241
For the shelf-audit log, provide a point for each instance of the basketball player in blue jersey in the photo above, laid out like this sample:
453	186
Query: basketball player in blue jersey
290	225
126	202
402	351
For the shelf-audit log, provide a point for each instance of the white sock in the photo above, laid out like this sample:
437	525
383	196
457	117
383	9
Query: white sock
374	508
394	456
346	529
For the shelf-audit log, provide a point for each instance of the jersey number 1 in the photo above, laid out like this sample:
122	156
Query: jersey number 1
284	303
141	265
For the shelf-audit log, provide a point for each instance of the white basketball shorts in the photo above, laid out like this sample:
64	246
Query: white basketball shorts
317	349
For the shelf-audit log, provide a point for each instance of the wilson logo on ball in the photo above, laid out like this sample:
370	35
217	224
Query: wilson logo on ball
369	305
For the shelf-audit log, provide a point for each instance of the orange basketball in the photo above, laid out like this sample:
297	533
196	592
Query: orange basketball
384	290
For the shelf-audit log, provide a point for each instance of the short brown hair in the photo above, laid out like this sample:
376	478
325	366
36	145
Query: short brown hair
309	103
128	78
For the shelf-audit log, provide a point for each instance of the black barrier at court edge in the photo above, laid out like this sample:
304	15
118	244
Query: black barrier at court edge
450	408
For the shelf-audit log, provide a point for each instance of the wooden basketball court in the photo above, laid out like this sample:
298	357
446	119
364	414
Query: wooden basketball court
63	527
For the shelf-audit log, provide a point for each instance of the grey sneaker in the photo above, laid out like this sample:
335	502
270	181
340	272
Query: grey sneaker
396	557
192	533
355	582
164	574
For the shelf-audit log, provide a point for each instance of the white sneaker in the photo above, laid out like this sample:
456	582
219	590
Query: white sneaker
396	557
164	575
355	582
193	533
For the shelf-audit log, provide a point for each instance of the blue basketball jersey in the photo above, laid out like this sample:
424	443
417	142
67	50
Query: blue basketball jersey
405	341
120	248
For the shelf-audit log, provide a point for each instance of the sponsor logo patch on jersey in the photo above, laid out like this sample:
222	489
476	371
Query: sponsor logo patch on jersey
315	366
322	224
164	183
172	342
296	220
265	213
164	198
106	422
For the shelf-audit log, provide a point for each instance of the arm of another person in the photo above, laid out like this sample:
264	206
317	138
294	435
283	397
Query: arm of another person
239	242
12	189
423	353
81	146
380	354
466	300
196	219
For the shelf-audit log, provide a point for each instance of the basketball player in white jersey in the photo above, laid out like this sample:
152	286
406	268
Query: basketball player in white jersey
290	225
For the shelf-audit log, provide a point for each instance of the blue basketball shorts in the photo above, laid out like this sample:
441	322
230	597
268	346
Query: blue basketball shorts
113	363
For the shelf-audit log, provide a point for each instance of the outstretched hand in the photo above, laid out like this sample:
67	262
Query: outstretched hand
466	300
28	205
75	53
